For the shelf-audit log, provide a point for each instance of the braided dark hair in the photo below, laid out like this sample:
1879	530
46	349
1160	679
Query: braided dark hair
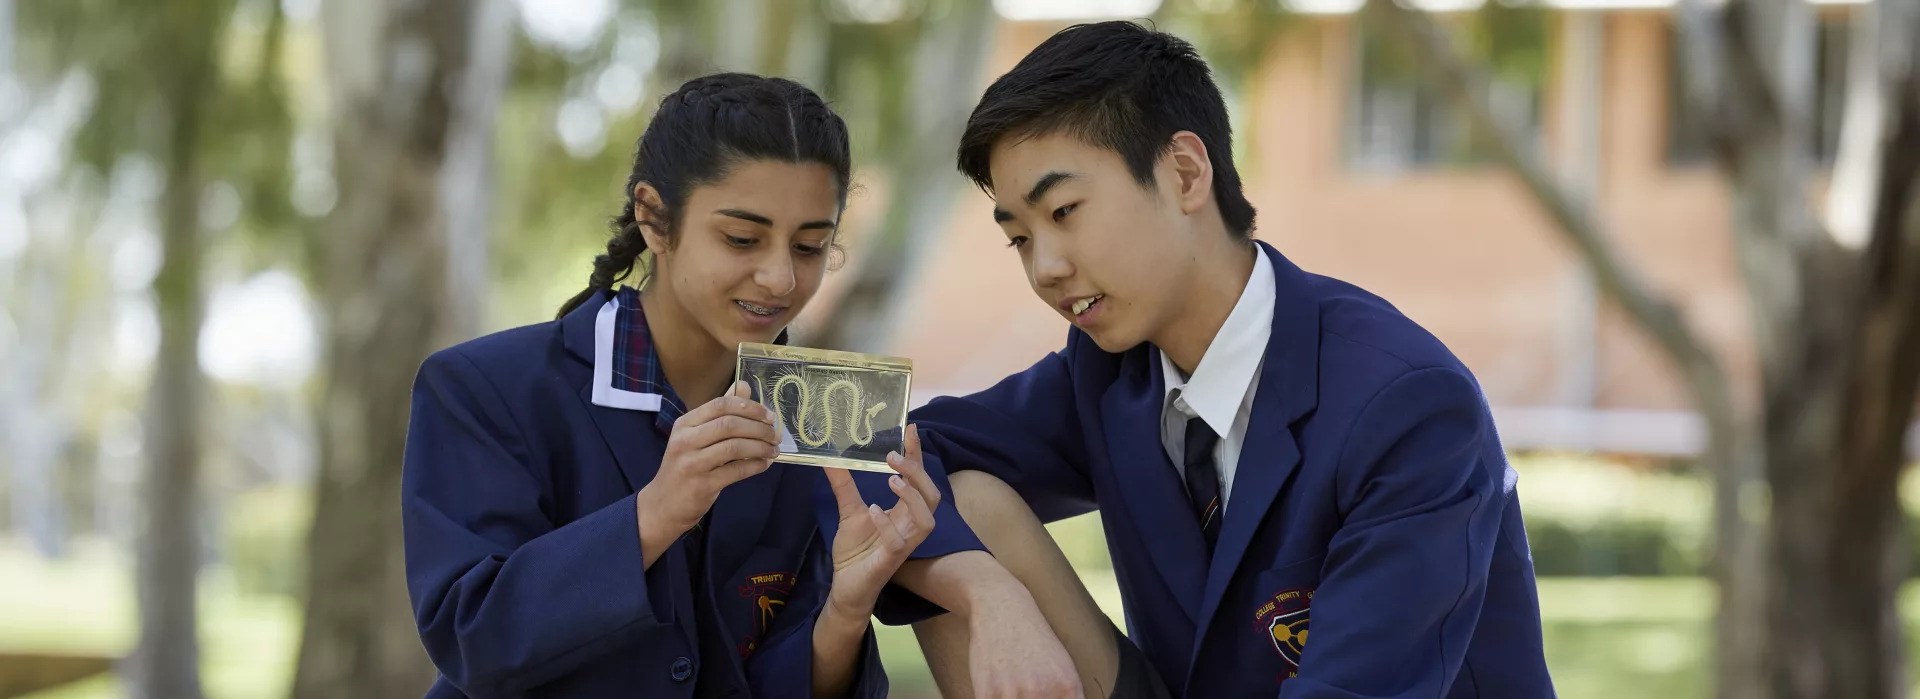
700	131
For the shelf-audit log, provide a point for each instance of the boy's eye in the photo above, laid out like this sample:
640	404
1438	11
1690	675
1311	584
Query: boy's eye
810	249
1062	212
740	242
1017	241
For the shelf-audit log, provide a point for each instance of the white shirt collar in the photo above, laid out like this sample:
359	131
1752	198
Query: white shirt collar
1231	364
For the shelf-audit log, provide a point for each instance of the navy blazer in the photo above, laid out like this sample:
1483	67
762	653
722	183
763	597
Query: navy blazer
523	551
1372	502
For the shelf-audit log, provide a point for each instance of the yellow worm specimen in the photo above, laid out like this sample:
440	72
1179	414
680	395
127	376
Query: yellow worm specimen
805	404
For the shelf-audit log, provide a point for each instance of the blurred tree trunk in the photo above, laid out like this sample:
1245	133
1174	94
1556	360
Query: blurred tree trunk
1808	590
467	185
941	89
166	663
1837	324
397	73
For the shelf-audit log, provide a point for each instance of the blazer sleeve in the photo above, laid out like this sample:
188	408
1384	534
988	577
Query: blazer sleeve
505	601
1421	489
1025	430
1022	430
896	605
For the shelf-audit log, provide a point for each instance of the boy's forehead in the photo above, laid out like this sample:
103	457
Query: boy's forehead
1018	163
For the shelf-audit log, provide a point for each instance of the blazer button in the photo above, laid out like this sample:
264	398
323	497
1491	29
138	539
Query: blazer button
682	669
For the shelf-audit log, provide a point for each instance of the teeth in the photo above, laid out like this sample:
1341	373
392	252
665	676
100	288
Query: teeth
757	310
1082	305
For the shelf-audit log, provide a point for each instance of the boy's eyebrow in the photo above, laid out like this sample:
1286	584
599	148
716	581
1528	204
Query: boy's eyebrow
1047	182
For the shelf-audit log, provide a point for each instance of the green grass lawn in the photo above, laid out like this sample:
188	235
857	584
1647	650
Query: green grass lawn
1642	637
85	605
1606	637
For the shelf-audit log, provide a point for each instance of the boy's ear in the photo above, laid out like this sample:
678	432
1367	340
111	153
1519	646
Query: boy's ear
1192	171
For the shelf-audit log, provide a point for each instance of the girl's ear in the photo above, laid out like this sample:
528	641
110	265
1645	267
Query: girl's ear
651	214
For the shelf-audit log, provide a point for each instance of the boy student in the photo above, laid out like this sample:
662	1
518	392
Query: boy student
1269	449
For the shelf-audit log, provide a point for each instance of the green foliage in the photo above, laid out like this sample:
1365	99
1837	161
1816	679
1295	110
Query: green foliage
253	123
265	536
140	55
1511	42
1235	36
868	78
1618	547
214	65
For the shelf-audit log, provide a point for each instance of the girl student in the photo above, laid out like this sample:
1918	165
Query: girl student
591	507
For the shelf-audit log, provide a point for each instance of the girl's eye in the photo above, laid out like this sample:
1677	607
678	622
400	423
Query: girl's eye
740	242
1017	241
1062	212
809	250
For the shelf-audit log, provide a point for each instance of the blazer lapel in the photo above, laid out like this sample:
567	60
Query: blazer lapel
1289	390
630	434
1156	501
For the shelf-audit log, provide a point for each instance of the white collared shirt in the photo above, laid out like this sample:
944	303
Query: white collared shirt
1222	387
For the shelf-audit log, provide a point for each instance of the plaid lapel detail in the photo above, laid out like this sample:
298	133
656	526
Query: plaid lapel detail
636	366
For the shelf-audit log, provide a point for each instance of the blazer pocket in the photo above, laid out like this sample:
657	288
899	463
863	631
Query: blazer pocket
1284	610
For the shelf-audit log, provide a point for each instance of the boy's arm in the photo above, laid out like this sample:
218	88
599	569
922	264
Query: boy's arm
1024	431
1405	576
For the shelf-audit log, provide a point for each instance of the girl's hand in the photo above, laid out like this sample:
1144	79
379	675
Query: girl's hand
728	440
871	543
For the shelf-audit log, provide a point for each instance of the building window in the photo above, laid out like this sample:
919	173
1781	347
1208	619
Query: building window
1687	145
1397	121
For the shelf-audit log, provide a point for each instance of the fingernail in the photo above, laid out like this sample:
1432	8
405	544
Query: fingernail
874	509
896	482
893	456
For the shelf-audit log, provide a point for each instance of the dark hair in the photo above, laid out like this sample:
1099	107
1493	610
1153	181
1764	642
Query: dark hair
701	131
1116	85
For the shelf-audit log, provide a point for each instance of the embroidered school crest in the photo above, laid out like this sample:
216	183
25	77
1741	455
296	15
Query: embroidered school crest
1284	619
1289	634
768	593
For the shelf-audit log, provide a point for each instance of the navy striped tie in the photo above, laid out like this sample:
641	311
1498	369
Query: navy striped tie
1203	480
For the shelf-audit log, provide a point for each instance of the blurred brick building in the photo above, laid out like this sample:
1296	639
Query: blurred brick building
1360	174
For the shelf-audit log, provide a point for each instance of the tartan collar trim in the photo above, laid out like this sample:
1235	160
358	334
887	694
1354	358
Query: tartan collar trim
626	365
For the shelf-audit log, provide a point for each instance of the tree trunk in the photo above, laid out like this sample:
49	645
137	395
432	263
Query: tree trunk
165	665
1732	458
1867	542
395	72
1835	330
947	64
467	184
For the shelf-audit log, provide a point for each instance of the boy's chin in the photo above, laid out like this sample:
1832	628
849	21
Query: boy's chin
1113	342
